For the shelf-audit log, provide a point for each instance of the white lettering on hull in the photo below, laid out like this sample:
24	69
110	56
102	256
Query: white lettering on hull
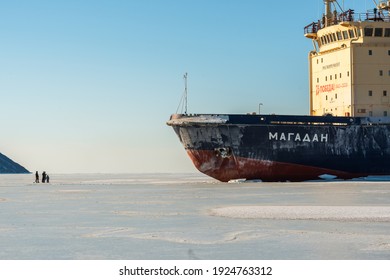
297	137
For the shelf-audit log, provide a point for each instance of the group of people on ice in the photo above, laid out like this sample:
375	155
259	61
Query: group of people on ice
45	177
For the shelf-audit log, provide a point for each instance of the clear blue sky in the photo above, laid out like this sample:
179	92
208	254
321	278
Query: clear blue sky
87	85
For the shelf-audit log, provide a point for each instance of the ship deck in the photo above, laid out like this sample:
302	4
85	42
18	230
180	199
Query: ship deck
249	119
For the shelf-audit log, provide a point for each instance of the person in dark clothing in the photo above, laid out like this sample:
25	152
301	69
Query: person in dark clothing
43	176
36	177
47	178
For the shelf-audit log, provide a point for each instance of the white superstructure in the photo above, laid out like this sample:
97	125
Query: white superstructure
349	68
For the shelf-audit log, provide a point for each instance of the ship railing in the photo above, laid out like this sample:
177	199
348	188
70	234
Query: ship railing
374	16
310	123
336	19
312	28
348	16
307	120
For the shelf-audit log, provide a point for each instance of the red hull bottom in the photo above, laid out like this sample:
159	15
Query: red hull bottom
230	168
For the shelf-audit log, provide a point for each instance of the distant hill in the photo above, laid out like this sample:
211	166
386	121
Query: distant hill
8	166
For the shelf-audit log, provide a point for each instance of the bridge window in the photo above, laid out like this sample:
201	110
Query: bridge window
385	93
339	36
345	34
387	32
368	31
369	52
351	33
370	93
378	32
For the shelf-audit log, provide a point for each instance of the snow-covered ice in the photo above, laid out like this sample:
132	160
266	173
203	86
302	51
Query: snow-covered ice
190	216
326	213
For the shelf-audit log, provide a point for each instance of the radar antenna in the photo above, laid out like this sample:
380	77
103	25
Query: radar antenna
382	5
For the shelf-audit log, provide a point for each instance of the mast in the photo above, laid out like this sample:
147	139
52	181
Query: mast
328	12
185	92
183	101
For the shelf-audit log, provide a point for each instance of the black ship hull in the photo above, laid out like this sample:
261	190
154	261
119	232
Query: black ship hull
285	148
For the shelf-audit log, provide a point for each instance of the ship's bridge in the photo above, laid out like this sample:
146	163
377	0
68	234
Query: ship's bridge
345	34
